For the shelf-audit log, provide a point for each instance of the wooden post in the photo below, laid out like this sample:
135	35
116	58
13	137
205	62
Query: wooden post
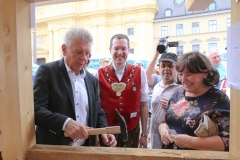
16	93
16	102
235	95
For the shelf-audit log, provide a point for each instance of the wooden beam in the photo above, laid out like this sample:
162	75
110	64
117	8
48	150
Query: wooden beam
49	2
16	93
234	95
43	152
197	5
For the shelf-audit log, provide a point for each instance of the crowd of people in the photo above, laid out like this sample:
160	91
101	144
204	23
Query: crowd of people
178	92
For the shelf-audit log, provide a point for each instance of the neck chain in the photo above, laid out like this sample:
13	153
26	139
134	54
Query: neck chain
128	79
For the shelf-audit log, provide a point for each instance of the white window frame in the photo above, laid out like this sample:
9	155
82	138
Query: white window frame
179	29
212	45
164	31
168	13
212	26
193	46
177	50
195	30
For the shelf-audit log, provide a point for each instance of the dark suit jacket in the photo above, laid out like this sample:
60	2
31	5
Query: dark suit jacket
54	103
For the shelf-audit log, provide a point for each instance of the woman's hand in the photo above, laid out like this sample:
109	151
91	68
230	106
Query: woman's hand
181	140
164	102
165	135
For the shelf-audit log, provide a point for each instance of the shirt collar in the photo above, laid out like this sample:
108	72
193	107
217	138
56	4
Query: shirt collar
161	84
119	71
69	70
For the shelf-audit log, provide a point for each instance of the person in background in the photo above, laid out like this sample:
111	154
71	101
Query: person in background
187	106
216	60
162	92
34	71
66	99
139	63
90	69
123	86
103	62
152	78
156	70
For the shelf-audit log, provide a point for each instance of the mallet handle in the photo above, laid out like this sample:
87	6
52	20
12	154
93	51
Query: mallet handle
107	130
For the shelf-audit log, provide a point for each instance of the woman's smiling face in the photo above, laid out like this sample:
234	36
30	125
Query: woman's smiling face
192	82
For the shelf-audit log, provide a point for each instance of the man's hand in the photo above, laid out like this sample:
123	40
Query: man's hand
149	138
143	142
164	102
109	140
76	130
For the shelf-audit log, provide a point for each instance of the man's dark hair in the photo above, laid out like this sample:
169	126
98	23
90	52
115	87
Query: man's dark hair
119	36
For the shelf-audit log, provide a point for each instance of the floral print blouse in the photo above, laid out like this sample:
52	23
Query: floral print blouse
184	113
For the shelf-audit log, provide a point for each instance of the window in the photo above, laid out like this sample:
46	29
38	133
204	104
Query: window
212	45
179	51
168	13
130	31
195	28
179	29
195	47
228	22
179	1
212	7
131	51
164	31
41	61
212	26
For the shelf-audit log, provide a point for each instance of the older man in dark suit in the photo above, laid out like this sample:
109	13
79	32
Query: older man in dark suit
66	97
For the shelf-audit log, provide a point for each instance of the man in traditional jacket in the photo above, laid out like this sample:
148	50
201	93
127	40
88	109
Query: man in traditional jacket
123	86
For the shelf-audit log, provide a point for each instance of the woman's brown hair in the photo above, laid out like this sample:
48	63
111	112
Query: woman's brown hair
196	62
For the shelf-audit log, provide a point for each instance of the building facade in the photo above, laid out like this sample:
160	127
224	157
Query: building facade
198	30
103	18
144	21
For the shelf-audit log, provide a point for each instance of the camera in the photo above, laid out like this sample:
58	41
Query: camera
164	44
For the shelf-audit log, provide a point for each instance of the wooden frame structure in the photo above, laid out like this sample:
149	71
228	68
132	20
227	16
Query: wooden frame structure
17	136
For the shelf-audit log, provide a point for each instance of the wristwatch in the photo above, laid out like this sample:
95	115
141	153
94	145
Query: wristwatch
144	135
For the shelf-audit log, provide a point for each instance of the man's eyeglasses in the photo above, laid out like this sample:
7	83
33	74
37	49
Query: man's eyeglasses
116	49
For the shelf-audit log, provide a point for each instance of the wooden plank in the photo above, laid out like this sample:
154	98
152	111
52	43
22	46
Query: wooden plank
49	2
197	5
43	152
16	107
234	96
16	94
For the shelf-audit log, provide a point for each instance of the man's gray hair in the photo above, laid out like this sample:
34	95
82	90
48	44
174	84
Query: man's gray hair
77	33
211	51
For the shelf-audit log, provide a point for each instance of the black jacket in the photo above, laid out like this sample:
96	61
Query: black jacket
54	103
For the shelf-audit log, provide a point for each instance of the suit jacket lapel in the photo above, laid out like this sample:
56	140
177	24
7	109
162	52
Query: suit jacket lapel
66	80
90	100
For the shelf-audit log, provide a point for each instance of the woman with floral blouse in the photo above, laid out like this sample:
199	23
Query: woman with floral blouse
187	106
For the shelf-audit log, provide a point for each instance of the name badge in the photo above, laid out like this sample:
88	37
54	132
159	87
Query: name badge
134	114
